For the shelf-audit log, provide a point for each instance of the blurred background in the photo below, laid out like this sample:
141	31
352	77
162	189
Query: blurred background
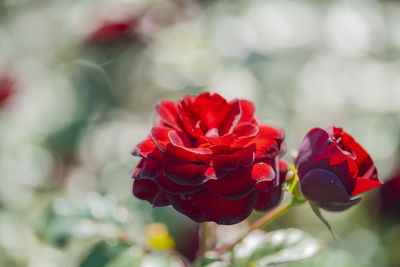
79	80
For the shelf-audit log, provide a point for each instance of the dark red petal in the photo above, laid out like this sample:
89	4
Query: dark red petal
171	187
326	190
150	169
268	141
167	114
205	206
212	109
234	185
190	173
180	149
228	125
160	200
334	160
160	137
136	171
240	137
364	185
186	115
237	184
283	170
268	200
148	190
262	172
229	162
248	111
338	206
244	133
363	159
148	149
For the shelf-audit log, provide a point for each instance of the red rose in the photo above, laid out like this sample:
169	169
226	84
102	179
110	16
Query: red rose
6	88
112	30
332	167
210	159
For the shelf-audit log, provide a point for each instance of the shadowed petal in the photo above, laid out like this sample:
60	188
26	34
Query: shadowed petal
268	200
205	206
190	173
148	190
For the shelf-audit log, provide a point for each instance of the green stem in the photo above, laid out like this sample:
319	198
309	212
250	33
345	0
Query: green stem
260	223
204	237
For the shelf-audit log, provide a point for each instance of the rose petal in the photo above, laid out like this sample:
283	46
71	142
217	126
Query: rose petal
268	141
205	206
243	157
283	170
239	183
180	149
268	200
262	172
160	200
190	173
148	190
174	145
171	187
186	115
150	168
326	190
364	185
236	184
212	109
167	114
363	159
231	120
148	149
248	111
136	171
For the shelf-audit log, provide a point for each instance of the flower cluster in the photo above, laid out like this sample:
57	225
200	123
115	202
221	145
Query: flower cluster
213	161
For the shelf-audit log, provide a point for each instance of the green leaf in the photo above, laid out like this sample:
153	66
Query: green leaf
262	249
128	258
102	253
162	260
210	259
92	216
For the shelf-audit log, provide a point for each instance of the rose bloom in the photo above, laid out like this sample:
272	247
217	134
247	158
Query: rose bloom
333	167
210	159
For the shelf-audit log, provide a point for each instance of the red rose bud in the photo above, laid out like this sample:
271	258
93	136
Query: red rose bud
333	167
210	159
7	84
109	30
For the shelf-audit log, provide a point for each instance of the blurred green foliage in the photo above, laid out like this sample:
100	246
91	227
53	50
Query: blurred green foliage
81	105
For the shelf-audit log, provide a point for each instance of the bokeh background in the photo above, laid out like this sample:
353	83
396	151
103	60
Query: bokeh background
79	80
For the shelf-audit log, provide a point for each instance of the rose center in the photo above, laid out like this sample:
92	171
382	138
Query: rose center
338	140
